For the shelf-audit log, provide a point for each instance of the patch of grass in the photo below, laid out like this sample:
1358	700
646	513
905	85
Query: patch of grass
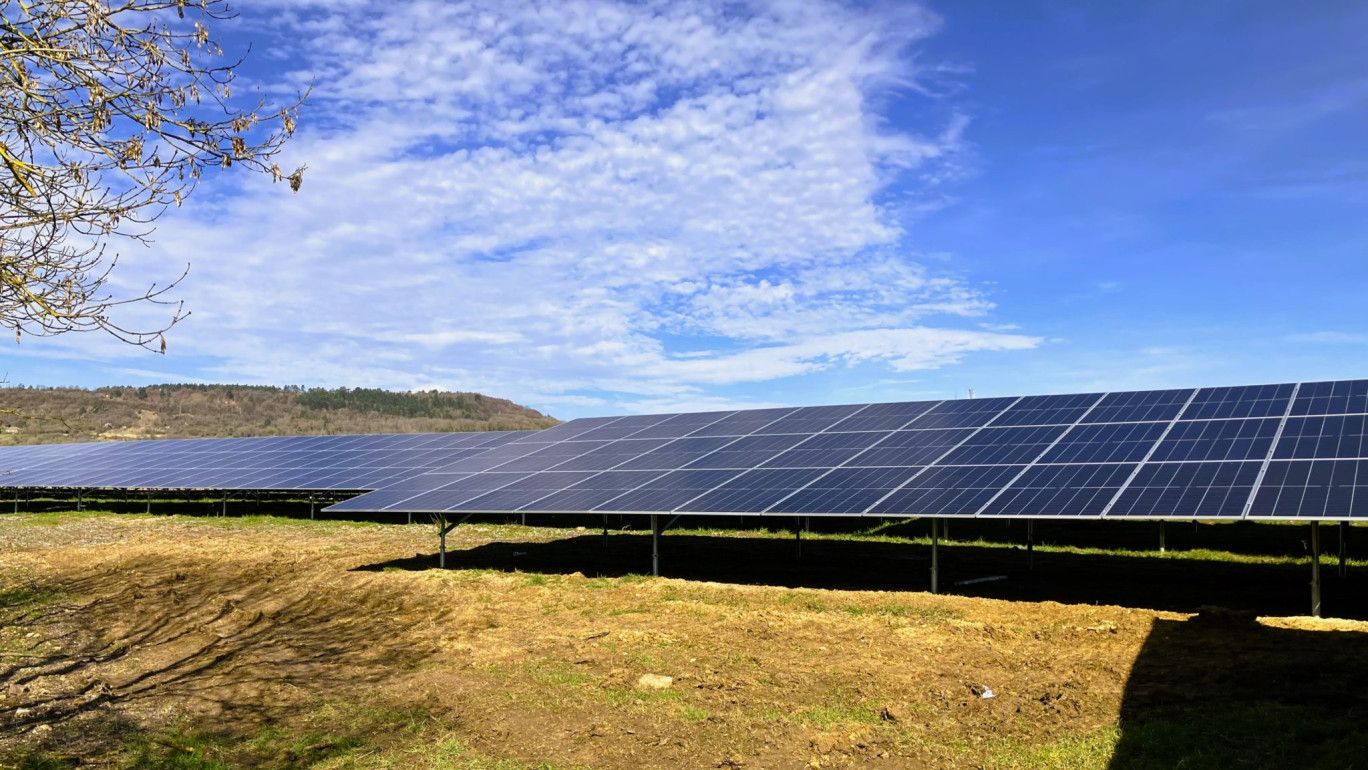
1081	752
1248	735
693	714
900	610
29	597
830	715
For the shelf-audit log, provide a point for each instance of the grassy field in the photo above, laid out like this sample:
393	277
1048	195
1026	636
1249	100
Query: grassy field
135	641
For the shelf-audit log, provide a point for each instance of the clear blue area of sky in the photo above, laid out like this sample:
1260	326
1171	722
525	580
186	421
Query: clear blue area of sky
1173	193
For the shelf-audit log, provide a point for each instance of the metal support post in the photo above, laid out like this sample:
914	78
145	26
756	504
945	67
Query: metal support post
442	530
798	535
311	507
1343	548
1030	544
522	519
605	530
80	501
655	544
1162	547
149	502
1315	570
935	556
410	517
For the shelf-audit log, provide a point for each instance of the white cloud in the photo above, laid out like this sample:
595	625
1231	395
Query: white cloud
582	203
1330	338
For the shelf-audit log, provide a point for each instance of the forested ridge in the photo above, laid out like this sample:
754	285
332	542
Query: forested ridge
49	415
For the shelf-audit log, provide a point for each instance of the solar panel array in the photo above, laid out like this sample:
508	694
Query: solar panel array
269	463
1289	451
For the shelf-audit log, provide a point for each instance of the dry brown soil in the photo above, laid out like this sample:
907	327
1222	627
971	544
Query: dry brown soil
142	625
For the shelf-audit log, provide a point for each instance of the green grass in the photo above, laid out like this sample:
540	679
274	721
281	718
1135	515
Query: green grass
1082	752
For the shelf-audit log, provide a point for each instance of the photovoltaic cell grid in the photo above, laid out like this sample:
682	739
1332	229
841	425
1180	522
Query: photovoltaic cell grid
1287	451
270	463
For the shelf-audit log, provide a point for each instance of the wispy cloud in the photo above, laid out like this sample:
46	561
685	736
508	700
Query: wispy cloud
585	203
1329	338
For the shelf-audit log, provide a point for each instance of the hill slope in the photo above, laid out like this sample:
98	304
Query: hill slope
50	415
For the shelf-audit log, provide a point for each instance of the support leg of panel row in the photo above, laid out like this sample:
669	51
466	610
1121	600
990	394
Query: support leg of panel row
605	530
655	544
1315	570
1030	544
1343	548
935	556
442	529
798	537
1162	544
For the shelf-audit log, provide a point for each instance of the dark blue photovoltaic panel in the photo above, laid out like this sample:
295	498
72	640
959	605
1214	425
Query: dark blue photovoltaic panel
680	425
969	413
551	455
1242	401
845	491
593	492
754	491
677	454
826	450
620	428
353	462
669	491
813	419
612	455
743	423
1345	397
1139	406
885	416
953	491
1197	490
1003	446
1061	490
1306	438
523	491
1124	442
1313	489
749	451
1048	410
1217	440
911	448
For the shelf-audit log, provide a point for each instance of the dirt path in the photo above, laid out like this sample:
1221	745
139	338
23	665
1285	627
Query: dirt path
131	641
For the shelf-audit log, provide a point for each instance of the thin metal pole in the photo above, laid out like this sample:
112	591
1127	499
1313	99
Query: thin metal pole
441	550
605	530
80	501
798	535
149	502
1343	548
522	519
311	507
1030	544
224	512
655	544
935	556
1162	547
1315	570
410	517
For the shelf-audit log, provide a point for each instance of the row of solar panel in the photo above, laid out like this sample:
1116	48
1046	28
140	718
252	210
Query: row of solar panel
350	462
1193	453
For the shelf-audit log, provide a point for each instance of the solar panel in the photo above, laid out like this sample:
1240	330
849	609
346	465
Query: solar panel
1283	451
287	463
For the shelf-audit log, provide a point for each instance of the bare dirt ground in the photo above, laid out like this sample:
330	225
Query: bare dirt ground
131	641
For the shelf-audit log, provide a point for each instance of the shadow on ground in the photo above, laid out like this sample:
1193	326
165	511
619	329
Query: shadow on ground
1177	584
1223	691
230	642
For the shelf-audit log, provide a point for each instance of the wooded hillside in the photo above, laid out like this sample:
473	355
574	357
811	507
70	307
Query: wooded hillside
49	415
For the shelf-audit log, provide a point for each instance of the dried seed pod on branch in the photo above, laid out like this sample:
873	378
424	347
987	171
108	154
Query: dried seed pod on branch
111	111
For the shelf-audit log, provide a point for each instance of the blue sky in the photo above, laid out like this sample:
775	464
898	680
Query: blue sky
601	207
